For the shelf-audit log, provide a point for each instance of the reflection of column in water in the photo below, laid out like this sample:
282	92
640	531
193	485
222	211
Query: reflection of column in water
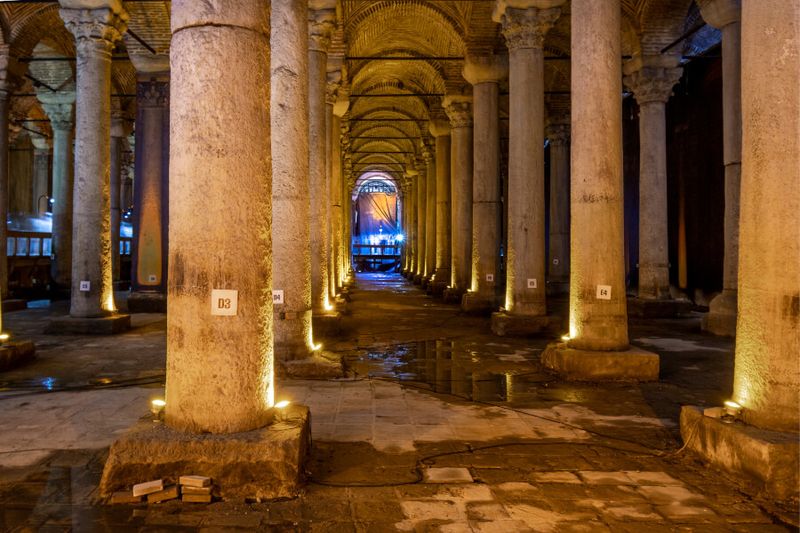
486	387
443	349
460	381
509	387
429	363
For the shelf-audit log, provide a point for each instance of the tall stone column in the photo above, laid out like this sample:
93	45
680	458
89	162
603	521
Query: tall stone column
41	175
558	254
430	216
525	301
291	248
484	74
118	134
96	32
440	129
321	24
58	108
409	219
5	91
331	125
597	346
726	15
151	194
340	106
422	199
459	111
652	83
219	347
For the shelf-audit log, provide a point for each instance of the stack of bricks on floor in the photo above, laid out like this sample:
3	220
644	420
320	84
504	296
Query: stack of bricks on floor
197	489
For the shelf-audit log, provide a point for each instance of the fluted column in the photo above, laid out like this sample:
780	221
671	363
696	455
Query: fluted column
321	25
484	74
440	129
96	32
558	264
726	15
291	248
430	215
421	187
766	378
59	109
652	87
220	366
459	111
524	31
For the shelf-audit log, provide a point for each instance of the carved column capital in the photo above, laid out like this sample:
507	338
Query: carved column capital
720	13
485	69
527	28
558	134
653	84
321	23
96	31
59	109
152	93
459	111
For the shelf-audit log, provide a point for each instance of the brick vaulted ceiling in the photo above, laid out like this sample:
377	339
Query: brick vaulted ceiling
429	38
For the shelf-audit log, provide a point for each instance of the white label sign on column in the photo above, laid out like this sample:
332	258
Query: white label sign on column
604	292
224	302
85	286
490	277
532	283
277	297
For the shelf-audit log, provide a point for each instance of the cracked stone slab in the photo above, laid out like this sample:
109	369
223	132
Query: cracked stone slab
448	475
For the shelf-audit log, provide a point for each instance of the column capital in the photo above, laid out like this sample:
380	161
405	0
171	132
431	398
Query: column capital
149	63
459	110
58	108
332	84
485	69
321	23
720	13
525	28
439	128
558	134
653	84
152	93
342	103
96	30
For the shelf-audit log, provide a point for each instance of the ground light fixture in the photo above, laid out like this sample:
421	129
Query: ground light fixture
157	406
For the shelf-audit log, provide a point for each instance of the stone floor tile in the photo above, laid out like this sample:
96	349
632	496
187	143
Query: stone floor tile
652	478
555	477
606	478
632	513
668	495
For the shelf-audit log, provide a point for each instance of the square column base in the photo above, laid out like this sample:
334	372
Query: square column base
326	324
102	325
418	279
477	304
644	308
147	302
504	323
633	364
265	463
722	324
14	305
16	353
453	295
769	459
321	365
437	288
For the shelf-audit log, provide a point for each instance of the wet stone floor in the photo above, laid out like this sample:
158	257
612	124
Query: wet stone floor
438	426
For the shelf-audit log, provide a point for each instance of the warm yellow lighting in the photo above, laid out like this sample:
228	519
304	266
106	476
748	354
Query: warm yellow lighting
732	408
109	304
328	307
732	404
316	347
565	338
4	337
281	404
158	403
157	409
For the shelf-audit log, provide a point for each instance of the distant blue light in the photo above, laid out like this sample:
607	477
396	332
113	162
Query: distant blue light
399	237
49	383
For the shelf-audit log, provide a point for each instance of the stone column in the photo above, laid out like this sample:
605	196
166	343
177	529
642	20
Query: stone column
597	345
219	347
321	25
339	109
96	32
41	175
652	84
484	74
766	380
291	249
5	91
525	301
440	129
118	134
558	264
422	189
151	191
725	15
459	111
331	125
430	216
58	108
409	219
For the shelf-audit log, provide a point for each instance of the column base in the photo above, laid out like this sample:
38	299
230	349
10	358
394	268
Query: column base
437	288
769	459
147	302
508	324
476	303
266	463
102	325
721	316
645	308
418	279
425	284
557	288
633	364
453	295
326	324
321	365
14	305
16	353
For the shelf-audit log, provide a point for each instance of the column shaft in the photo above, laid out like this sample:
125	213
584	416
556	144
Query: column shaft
430	216
291	247
4	192
220	368
422	189
443	214
114	185
460	114
41	179
326	194
336	201
598	316
558	265
61	245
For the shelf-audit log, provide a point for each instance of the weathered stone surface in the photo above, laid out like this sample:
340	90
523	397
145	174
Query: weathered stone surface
326	324
16	353
770	459
633	364
265	463
453	295
147	302
104	325
319	366
645	308
523	325
447	475
473	302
